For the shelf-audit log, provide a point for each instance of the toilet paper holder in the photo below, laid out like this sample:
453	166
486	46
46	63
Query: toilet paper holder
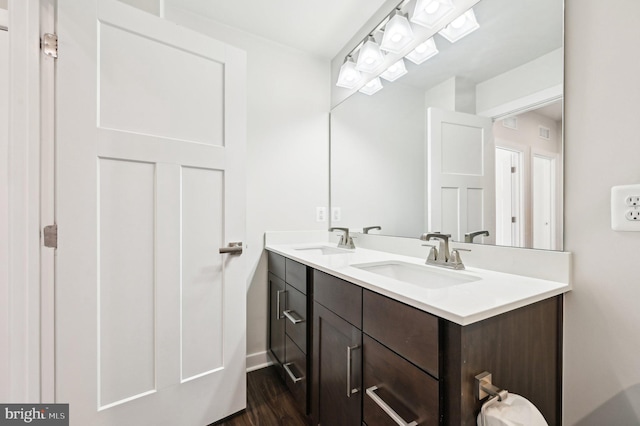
484	387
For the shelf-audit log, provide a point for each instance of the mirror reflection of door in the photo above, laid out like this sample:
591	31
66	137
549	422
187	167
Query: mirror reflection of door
529	178
543	202
508	197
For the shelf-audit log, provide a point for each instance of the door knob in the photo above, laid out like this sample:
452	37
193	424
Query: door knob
232	248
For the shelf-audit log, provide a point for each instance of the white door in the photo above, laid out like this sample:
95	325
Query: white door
150	318
508	217
543	202
460	174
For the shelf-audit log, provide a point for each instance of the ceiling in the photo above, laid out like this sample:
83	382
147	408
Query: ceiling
321	28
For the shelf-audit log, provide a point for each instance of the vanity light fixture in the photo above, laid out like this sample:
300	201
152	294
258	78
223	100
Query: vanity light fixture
349	76
460	27
423	52
395	71
370	56
397	36
397	32
372	87
430	13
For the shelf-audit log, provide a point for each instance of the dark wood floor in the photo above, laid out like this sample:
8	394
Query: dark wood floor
269	403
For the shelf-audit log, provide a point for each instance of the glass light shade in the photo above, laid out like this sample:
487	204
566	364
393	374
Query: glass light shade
397	34
372	87
349	76
395	71
423	52
370	56
460	27
430	13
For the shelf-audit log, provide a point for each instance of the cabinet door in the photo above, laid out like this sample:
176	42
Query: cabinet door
276	318
396	389
337	367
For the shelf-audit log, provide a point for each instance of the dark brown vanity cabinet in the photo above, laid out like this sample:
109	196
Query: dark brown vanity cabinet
289	325
361	375
377	361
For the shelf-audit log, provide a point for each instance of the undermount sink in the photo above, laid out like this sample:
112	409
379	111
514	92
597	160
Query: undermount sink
423	276
323	250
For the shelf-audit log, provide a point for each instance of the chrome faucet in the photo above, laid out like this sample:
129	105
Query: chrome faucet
469	236
370	228
345	240
440	255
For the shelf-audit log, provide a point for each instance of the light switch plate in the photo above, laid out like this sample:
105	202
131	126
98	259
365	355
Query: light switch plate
625	211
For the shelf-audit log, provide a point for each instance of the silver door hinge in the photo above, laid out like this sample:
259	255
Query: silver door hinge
49	45
513	169
513	219
50	236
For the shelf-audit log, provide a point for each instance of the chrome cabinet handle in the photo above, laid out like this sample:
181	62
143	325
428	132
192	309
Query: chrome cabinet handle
291	318
232	248
290	373
278	293
350	390
387	409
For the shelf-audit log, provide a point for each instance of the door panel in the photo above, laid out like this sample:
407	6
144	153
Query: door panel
126	281
150	318
202	274
461	174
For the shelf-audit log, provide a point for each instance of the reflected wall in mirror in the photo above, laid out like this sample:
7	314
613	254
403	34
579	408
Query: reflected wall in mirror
468	141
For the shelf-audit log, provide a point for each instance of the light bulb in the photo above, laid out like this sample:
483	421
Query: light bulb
432	7
462	26
397	33
423	52
372	87
395	71
459	22
431	13
349	76
370	56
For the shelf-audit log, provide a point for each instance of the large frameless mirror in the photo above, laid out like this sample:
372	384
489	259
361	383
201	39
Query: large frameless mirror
467	143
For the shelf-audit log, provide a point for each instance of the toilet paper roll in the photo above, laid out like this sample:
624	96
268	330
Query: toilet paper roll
515	410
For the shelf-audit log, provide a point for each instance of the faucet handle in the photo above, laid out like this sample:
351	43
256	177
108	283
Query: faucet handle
433	253
455	259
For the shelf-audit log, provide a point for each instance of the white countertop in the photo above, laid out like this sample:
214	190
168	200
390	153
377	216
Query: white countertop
493	294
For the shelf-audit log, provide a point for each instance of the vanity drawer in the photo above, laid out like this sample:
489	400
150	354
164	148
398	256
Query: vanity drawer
342	297
296	373
296	275
296	317
276	264
408	331
407	390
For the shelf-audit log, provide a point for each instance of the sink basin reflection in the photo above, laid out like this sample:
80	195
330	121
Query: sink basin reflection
423	276
323	250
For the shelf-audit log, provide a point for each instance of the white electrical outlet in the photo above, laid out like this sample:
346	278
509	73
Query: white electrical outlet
336	214
625	208
633	214
321	214
633	200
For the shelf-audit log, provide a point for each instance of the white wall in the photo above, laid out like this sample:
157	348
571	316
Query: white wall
535	79
602	145
287	150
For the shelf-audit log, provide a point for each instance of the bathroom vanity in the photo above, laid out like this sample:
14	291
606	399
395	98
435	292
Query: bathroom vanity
375	350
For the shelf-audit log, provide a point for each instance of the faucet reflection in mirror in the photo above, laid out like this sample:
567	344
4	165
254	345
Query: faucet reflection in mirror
397	34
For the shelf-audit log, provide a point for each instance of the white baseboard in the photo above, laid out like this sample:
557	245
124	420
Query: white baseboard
257	361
